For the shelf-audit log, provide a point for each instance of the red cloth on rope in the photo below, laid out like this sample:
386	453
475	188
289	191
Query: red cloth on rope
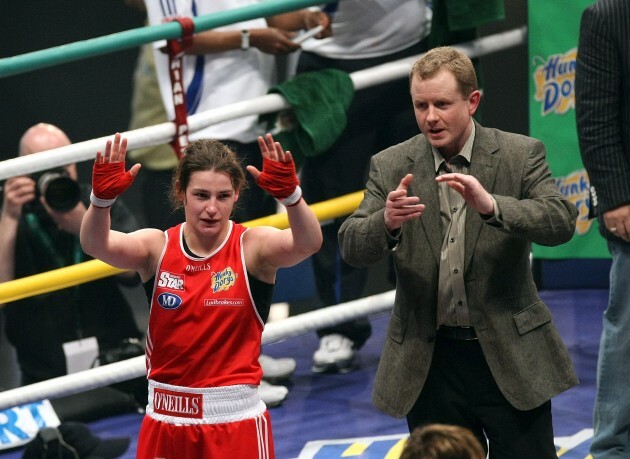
176	49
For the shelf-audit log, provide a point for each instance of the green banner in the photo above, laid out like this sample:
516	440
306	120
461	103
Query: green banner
553	37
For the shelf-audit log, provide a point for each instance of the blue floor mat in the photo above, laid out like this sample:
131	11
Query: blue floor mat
331	416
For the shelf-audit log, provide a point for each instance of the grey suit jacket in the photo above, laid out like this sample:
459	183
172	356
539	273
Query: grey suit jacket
520	342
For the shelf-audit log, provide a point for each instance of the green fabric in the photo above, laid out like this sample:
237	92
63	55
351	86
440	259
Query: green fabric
319	102
456	21
465	14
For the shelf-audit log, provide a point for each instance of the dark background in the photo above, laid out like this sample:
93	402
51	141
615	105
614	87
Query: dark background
90	98
87	98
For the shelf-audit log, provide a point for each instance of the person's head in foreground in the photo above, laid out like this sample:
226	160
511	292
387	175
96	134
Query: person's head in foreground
441	441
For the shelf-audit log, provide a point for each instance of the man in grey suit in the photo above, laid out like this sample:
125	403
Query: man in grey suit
602	104
469	341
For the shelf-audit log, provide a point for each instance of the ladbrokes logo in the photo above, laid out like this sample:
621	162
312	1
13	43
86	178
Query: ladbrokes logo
223	280
554	80
171	281
223	302
576	188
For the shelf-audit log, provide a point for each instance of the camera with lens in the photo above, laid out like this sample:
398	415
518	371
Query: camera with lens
60	192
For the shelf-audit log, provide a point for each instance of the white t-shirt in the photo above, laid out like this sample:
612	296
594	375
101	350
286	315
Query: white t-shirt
217	79
372	28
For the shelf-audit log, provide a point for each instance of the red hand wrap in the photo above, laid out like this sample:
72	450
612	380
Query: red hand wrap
278	179
110	180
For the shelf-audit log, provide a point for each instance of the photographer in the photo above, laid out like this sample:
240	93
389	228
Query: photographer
39	226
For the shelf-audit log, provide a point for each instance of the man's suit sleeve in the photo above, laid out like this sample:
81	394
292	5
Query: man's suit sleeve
542	214
363	237
598	79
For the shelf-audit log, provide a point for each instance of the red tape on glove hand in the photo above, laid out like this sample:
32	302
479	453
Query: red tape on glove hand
279	179
108	181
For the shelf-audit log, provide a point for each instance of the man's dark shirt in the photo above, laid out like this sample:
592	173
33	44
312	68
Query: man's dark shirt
38	326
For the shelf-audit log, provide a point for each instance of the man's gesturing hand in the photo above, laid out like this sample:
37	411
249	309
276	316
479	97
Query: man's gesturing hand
471	190
618	222
399	207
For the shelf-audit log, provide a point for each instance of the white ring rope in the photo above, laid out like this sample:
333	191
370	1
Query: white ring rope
135	367
163	133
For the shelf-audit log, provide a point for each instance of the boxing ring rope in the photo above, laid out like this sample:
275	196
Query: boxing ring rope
135	367
133	38
163	133
95	269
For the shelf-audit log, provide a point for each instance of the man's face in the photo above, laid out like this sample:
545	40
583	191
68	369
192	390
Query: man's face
44	137
443	114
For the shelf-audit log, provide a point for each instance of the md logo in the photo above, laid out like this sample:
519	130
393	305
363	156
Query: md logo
169	300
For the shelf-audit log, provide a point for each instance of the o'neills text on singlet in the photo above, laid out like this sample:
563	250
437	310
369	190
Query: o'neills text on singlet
177	403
